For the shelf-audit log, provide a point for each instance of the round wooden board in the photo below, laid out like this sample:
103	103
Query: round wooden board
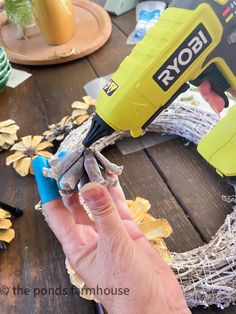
93	29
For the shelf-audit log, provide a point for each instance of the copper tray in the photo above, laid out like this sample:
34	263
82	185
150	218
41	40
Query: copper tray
93	30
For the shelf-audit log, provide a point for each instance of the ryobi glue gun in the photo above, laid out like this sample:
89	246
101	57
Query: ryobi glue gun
193	41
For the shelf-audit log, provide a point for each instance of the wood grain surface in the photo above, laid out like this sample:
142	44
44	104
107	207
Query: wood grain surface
178	183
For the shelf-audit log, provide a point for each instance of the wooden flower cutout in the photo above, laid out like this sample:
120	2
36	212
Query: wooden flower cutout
8	136
60	130
7	234
154	229
83	110
26	151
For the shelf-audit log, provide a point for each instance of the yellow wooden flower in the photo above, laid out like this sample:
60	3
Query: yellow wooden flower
7	234
59	131
26	151
83	110
8	136
154	229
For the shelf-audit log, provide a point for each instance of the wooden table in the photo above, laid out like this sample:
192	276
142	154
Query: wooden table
177	182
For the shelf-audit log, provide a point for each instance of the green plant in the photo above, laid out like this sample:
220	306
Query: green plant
20	12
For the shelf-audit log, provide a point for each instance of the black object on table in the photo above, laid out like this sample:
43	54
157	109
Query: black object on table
14	211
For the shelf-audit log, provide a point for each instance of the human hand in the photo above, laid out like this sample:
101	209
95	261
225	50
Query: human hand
215	100
111	252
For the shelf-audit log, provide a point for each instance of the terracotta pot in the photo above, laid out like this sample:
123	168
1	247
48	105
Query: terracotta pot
56	20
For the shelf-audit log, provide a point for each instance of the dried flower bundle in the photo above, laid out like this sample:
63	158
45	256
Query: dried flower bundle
26	151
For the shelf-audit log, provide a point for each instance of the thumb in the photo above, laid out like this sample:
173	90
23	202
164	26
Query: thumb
103	209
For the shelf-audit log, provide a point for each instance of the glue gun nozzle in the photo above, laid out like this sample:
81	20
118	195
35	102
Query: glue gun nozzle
99	129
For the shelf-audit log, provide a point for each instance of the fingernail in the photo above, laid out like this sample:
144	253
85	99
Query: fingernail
92	192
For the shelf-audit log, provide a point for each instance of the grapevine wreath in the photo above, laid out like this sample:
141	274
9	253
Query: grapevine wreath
207	274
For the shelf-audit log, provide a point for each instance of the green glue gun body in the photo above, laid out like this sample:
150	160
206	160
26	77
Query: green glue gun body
193	41
218	147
